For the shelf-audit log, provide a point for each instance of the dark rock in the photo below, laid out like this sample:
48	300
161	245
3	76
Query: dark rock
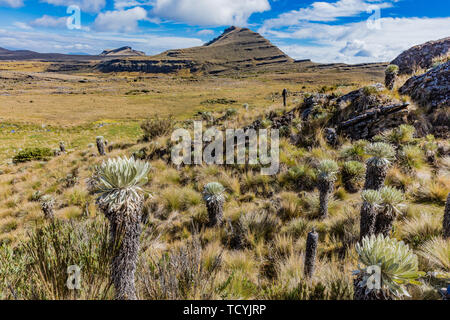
421	56
431	91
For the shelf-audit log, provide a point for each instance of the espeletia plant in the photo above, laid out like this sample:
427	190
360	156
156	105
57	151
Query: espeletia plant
386	266
377	166
48	207
327	176
391	206
369	211
119	185
353	175
214	197
391	74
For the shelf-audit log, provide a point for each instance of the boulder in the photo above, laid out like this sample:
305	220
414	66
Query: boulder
422	56
431	91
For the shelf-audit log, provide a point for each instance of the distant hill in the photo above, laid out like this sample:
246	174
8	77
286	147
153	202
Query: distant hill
236	49
124	51
6	54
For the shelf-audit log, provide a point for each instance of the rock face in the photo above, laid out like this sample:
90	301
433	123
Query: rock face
422	56
431	91
236	49
124	51
360	114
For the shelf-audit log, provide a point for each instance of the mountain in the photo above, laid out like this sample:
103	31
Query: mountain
6	54
236	49
124	51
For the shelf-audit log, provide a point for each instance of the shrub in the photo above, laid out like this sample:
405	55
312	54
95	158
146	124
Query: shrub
157	127
179	274
31	154
437	254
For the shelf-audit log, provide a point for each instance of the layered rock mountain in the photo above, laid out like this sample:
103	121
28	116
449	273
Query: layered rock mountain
422	56
123	51
236	49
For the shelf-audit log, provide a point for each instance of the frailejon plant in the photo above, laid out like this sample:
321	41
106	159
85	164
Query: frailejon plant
386	266
352	175
101	145
446	224
391	205
48	207
118	183
369	209
391	74
327	176
382	156
214	197
311	253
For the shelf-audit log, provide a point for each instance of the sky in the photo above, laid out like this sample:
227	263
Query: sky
348	31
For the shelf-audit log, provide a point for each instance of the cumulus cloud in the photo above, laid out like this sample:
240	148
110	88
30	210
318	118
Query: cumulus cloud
92	6
209	12
355	42
326	12
121	20
11	3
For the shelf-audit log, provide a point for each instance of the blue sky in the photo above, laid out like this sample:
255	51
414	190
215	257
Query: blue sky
351	31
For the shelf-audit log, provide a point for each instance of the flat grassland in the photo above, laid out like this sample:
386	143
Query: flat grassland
39	108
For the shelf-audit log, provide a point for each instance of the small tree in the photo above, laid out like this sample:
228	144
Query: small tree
118	183
390	207
214	196
446	226
101	145
369	209
377	166
385	267
327	175
391	74
311	253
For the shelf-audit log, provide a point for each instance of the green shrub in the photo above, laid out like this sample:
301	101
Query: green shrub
31	154
157	127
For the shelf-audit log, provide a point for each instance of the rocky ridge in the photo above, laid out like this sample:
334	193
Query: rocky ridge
422	56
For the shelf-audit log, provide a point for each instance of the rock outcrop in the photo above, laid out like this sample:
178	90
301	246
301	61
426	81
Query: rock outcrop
431	91
422	56
360	114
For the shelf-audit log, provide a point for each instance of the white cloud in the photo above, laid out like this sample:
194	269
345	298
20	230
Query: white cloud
11	3
22	25
122	4
205	32
91	42
92	6
325	12
121	20
49	22
355	42
209	12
